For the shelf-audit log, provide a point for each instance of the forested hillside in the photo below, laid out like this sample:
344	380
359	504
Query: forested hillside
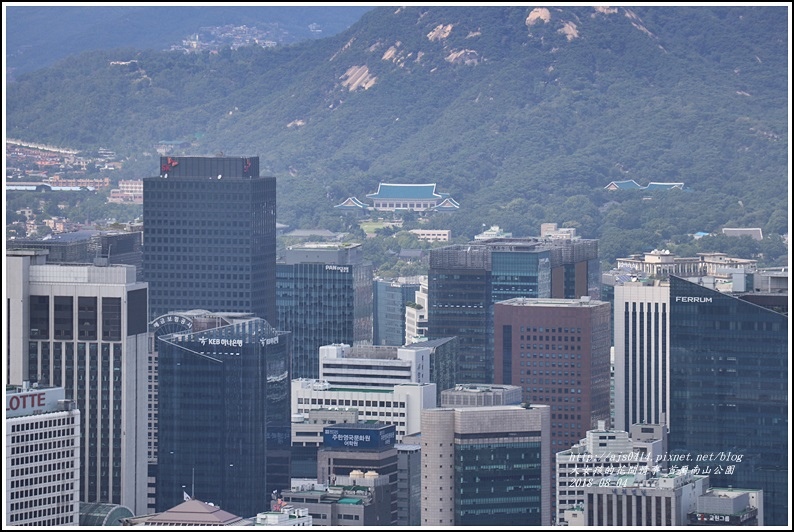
522	114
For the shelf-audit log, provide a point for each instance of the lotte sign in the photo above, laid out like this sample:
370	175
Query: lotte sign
34	401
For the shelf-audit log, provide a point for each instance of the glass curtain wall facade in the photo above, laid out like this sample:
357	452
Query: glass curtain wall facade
729	386
224	416
322	304
210	236
498	484
464	282
458	301
390	297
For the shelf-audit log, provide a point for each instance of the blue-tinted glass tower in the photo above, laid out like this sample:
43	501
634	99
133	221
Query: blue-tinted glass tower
210	236
729	385
324	296
224	416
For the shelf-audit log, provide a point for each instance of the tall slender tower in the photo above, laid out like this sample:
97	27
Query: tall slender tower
324	298
557	351
224	427
84	328
729	410
642	353
210	236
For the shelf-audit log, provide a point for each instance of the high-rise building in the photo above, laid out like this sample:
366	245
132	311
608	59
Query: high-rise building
464	282
390	297
363	448
416	315
443	366
185	321
376	366
642	353
89	247
224	419
679	498
42	488
359	499
603	453
210	236
486	466
307	437
409	484
557	351
730	391
324	297
84	328
401	404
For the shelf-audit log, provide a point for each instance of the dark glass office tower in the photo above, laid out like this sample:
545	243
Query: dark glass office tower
729	385
210	236
224	416
324	296
464	282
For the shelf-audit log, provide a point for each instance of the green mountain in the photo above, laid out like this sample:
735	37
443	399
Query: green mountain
524	115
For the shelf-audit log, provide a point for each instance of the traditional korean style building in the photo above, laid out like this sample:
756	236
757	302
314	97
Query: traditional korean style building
393	197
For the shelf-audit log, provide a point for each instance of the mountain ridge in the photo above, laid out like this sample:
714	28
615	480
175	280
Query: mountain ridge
523	114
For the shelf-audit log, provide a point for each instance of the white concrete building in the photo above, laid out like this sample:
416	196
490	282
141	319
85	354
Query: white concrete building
433	235
674	499
84	328
286	515
400	405
642	353
481	395
373	366
42	458
661	263
603	453
416	316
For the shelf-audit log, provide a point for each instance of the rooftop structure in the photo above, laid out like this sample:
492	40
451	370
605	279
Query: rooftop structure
494	232
661	263
414	197
481	395
358	499
284	515
191	512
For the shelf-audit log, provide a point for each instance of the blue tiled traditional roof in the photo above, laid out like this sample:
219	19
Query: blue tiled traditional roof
623	185
406	191
633	185
663	186
351	203
448	204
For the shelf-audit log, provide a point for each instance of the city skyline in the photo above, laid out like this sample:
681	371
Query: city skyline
208	356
